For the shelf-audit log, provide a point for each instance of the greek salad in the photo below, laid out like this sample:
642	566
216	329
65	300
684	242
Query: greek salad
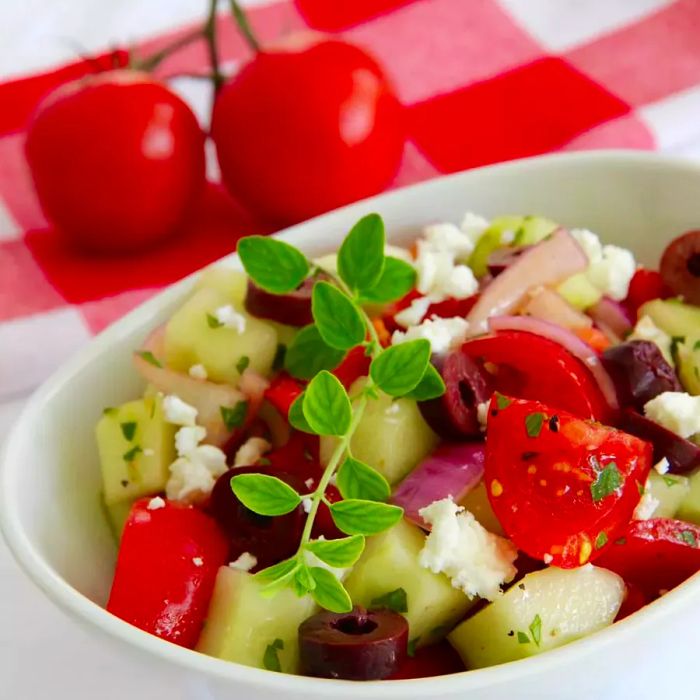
404	462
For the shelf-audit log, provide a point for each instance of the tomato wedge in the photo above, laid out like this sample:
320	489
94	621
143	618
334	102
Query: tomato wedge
655	555
531	367
561	487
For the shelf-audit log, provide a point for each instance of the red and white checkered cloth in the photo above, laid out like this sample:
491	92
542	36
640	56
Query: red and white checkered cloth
483	81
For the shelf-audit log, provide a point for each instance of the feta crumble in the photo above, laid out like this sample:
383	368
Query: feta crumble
198	561
662	466
177	412
647	505
589	242
250	452
448	237
412	315
646	329
306	504
245	562
476	561
228	317
482	415
309	483
155	503
676	411
473	226
547	558
442	333
187	439
198	372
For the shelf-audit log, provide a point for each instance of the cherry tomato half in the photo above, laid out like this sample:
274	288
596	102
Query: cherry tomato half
303	129
561	487
646	285
117	160
655	555
531	367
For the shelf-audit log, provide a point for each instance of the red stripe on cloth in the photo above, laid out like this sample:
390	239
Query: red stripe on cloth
100	314
648	60
533	109
624	132
339	14
213	232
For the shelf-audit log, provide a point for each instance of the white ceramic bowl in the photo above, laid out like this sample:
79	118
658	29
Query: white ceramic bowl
49	484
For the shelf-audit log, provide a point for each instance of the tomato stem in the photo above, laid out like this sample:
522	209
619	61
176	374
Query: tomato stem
244	26
209	32
150	63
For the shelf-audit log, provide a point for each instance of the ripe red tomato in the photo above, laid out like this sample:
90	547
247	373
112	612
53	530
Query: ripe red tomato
117	160
561	487
304	129
531	367
646	285
655	555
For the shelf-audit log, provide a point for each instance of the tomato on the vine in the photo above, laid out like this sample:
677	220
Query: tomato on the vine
117	160
306	128
561	487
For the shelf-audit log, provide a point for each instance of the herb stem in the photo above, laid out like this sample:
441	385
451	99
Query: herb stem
209	32
244	26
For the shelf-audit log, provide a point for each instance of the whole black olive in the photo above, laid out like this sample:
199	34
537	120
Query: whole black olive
293	309
680	266
358	646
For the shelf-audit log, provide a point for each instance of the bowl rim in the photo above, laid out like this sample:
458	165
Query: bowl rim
70	600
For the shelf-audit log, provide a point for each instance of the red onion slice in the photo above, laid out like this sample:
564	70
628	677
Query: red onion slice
610	315
567	340
547	305
547	263
452	470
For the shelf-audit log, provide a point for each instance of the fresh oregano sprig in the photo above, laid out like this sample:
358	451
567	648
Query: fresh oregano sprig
365	275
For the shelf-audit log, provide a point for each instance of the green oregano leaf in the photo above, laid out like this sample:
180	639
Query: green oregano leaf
395	600
271	659
265	494
274	265
213	322
429	387
607	481
502	401
359	517
340	553
399	368
242	364
523	638
280	572
361	255
131	454
337	317
234	417
309	354
326	405
397	280
128	430
355	479
533	424
536	629
601	540
296	416
329	593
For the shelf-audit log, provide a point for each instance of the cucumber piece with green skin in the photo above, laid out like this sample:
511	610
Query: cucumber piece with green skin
136	447
533	230
193	337
491	240
688	365
580	292
242	623
690	505
669	490
547	609
679	320
390	562
392	436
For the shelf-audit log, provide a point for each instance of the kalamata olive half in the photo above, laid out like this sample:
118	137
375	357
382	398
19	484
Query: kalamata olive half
639	371
680	266
357	646
269	539
454	415
682	455
293	309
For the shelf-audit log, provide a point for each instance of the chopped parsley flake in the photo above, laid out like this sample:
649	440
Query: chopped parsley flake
601	540
411	646
696	346
271	659
640	488
110	411
688	537
234	417
214	322
669	481
128	430
502	401
607	480
533	424
242	364
395	600
523	638
536	629
130	456
149	357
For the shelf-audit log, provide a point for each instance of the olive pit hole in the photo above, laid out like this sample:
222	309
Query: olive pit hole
355	625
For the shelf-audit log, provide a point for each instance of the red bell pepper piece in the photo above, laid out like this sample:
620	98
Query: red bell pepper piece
354	365
282	392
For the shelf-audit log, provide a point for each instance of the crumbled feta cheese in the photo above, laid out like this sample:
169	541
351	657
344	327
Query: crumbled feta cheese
646	329
443	333
306	504
590	243
676	411
476	561
251	451
450	238
177	412
198	561
547	558
193	476
412	315
461	283
482	414
613	274
473	226
309	483
647	505
187	439
230	318
245	562
198	372
662	466
156	503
